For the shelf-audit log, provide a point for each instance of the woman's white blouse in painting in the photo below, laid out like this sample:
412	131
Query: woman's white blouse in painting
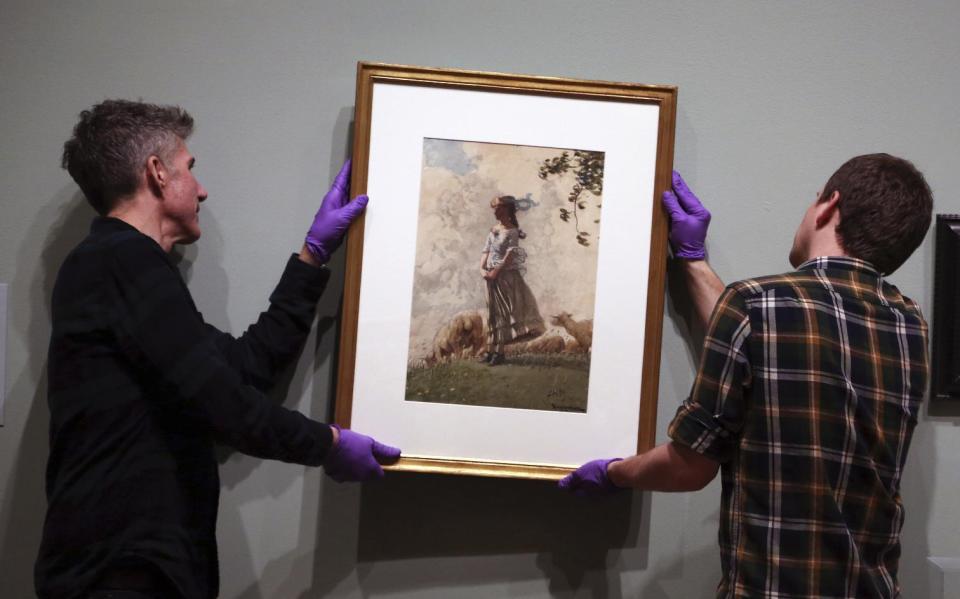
499	243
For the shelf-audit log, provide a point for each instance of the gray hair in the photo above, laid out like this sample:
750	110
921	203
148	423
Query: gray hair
112	142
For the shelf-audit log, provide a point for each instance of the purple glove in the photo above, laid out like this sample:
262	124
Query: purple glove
590	480
688	221
334	217
354	457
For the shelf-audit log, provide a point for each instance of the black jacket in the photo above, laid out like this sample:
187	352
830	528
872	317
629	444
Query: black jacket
140	388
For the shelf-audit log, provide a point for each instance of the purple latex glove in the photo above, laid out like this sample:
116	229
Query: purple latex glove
355	457
334	217
590	480
688	221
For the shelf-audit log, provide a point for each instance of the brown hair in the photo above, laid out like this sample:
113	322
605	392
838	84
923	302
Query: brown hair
510	203
885	209
112	142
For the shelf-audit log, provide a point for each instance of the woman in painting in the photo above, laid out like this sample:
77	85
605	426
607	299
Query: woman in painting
513	315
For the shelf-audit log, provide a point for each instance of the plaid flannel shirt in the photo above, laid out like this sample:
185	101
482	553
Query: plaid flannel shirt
807	393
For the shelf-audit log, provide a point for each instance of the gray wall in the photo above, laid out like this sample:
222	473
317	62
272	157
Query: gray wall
773	96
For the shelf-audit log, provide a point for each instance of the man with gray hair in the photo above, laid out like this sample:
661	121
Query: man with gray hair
140	387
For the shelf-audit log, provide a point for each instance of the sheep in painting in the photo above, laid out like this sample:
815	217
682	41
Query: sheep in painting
580	330
462	336
552	344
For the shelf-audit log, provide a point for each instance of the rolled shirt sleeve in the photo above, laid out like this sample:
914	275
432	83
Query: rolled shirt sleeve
711	418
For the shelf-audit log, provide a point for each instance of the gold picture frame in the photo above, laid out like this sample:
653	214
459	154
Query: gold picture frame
634	123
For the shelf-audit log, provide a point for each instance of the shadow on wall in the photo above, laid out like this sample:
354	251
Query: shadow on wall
330	511
59	226
283	576
680	313
329	515
673	578
577	541
580	546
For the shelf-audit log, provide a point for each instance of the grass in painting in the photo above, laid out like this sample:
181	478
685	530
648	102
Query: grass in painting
556	382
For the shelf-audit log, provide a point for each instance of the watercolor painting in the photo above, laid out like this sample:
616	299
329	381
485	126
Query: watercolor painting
505	276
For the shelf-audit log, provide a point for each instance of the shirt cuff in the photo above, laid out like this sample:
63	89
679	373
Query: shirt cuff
698	429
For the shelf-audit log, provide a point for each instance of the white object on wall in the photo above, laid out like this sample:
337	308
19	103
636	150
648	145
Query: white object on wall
3	348
944	577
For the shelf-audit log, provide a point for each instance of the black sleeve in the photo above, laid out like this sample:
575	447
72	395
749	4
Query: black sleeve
157	322
275	340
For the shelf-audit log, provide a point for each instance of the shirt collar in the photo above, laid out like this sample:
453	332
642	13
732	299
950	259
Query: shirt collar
839	263
103	224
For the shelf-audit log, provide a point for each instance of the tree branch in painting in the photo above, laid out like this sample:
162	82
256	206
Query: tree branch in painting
587	168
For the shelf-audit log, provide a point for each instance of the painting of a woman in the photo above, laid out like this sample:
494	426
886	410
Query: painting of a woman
512	312
481	336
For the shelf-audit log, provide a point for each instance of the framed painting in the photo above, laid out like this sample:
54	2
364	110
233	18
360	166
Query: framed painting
945	364
503	295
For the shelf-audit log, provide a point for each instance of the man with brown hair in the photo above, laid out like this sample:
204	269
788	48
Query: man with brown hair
140	386
806	396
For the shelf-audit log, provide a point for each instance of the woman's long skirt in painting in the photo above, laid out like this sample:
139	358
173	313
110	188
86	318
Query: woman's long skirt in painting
513	313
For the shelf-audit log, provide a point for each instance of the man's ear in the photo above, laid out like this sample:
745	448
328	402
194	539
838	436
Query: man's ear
827	209
157	175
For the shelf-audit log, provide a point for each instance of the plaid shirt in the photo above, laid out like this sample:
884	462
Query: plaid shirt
808	392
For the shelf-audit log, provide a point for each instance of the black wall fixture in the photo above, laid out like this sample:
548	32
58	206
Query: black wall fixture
946	312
